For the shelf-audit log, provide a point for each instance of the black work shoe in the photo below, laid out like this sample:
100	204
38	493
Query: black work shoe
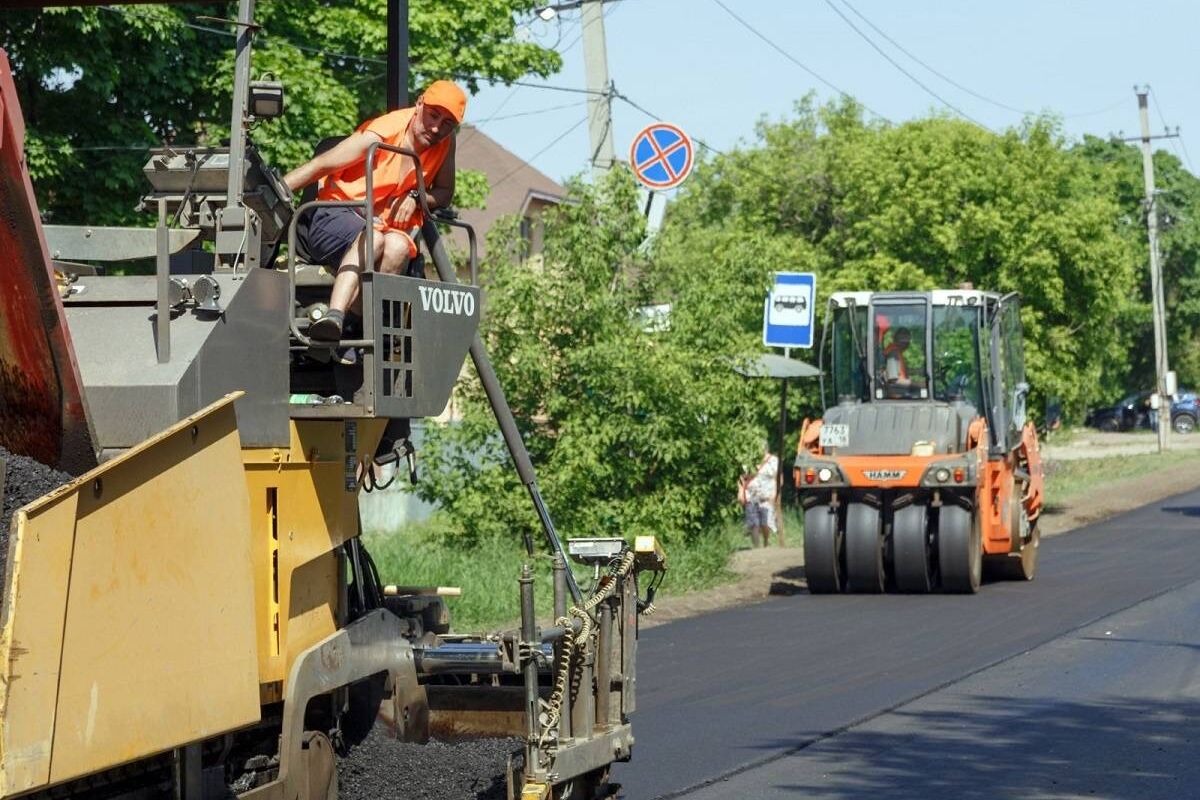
328	328
346	356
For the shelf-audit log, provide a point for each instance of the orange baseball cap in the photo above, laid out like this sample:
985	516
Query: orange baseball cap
447	95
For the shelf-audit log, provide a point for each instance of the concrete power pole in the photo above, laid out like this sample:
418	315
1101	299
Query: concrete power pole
1156	287
595	57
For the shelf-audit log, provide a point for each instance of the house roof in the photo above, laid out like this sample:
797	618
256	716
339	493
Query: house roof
514	183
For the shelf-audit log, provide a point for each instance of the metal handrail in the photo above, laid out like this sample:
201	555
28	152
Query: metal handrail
423	202
471	243
291	261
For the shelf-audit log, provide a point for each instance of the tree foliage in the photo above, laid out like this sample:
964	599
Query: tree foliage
1179	245
629	432
927	204
99	85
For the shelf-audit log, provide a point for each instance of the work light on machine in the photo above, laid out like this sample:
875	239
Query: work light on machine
266	99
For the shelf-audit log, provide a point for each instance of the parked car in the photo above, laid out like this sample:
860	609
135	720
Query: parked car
1133	412
1184	412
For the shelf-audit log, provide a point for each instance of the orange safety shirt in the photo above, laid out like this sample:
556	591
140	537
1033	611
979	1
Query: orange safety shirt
392	176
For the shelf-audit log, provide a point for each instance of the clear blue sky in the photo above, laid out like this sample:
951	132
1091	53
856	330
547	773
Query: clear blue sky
691	63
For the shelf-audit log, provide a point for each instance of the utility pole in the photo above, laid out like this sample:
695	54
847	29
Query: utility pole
397	54
595	58
1156	287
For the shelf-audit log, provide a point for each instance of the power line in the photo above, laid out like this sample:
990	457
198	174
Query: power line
547	86
157	17
795	60
956	84
746	165
1158	108
946	78
618	95
517	86
895	64
537	111
529	161
265	34
1105	110
477	126
583	27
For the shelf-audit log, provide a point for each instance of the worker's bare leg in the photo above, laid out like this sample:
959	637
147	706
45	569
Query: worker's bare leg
345	295
395	253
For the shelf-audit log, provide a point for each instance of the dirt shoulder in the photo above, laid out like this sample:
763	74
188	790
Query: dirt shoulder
780	570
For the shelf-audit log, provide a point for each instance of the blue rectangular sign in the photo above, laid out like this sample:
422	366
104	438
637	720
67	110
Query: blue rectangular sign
789	312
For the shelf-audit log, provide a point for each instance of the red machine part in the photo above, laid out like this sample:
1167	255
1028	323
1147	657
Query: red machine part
42	410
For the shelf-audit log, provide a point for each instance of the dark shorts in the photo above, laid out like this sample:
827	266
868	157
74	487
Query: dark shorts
330	232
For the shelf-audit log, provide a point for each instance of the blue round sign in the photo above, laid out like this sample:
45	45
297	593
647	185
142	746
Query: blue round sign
661	156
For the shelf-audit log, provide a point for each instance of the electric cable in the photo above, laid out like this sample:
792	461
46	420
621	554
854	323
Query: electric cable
535	112
905	72
746	166
529	161
796	61
1104	110
946	78
1178	137
517	85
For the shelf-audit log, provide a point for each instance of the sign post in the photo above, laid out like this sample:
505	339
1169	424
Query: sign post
788	321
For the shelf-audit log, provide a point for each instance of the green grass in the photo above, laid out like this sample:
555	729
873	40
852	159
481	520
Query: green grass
422	555
1067	479
703	563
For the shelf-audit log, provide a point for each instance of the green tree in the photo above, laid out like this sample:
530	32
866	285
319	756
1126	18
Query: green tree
1179	242
100	85
629	430
927	204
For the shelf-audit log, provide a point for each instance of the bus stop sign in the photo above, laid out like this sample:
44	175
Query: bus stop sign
788	316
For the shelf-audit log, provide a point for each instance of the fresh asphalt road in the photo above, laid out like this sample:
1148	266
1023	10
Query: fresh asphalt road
904	696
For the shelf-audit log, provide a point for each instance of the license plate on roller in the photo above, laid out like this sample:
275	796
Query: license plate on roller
835	436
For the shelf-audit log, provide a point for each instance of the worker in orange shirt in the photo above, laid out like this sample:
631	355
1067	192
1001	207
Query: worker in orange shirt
336	235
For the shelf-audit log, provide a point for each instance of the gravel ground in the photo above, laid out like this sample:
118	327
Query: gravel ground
382	768
25	480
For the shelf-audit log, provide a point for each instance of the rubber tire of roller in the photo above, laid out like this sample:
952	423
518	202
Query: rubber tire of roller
822	561
864	549
910	549
960	550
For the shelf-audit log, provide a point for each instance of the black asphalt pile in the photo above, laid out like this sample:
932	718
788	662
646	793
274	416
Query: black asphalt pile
382	768
25	480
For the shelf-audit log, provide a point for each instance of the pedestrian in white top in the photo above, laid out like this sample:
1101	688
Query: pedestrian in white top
758	492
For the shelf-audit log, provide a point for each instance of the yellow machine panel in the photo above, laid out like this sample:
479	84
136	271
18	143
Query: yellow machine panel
129	618
305	501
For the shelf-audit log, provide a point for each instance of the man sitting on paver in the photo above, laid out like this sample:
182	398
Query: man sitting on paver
336	235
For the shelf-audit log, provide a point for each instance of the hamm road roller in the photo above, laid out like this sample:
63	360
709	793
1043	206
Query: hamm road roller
192	613
923	470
